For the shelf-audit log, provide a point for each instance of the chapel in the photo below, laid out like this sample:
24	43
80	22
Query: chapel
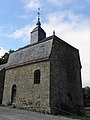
43	76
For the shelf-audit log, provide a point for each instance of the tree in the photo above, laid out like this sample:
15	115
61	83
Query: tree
5	57
86	96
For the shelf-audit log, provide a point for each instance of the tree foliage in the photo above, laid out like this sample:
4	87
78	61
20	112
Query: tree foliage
5	57
86	96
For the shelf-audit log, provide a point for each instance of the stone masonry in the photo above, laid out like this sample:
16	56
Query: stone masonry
60	87
2	79
29	95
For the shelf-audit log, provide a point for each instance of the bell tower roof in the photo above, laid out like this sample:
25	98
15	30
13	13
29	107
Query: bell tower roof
37	33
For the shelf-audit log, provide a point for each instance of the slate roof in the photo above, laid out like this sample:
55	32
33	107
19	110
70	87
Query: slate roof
30	53
2	66
38	51
37	28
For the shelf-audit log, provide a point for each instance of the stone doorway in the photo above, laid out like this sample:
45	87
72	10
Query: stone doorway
13	96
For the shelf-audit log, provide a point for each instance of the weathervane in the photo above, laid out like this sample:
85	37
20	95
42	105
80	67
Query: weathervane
38	23
38	13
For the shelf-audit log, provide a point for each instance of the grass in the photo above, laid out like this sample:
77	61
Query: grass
86	117
87	114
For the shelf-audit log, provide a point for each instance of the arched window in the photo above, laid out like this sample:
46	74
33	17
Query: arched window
13	96
36	76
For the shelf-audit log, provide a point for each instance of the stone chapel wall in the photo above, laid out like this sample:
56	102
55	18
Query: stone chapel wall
29	95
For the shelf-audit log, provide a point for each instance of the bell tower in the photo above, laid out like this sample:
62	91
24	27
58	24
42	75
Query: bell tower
37	33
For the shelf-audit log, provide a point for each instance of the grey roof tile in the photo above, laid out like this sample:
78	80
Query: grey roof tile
2	66
31	53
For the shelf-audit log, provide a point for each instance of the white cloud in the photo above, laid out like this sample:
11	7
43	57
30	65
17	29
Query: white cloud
70	4
22	33
59	2
32	4
2	51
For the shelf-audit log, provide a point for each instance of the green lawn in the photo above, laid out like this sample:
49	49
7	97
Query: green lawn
87	115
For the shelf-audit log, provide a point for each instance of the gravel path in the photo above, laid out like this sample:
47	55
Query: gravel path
14	114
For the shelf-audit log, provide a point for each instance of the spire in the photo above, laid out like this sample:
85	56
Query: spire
53	32
37	33
38	23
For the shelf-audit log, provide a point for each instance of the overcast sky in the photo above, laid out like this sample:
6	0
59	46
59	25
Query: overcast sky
69	18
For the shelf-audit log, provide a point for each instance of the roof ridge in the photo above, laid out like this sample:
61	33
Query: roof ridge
29	45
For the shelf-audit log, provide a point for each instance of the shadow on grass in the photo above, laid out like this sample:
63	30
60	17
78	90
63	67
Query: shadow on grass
86	117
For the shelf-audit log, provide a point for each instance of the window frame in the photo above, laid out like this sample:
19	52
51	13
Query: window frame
37	75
